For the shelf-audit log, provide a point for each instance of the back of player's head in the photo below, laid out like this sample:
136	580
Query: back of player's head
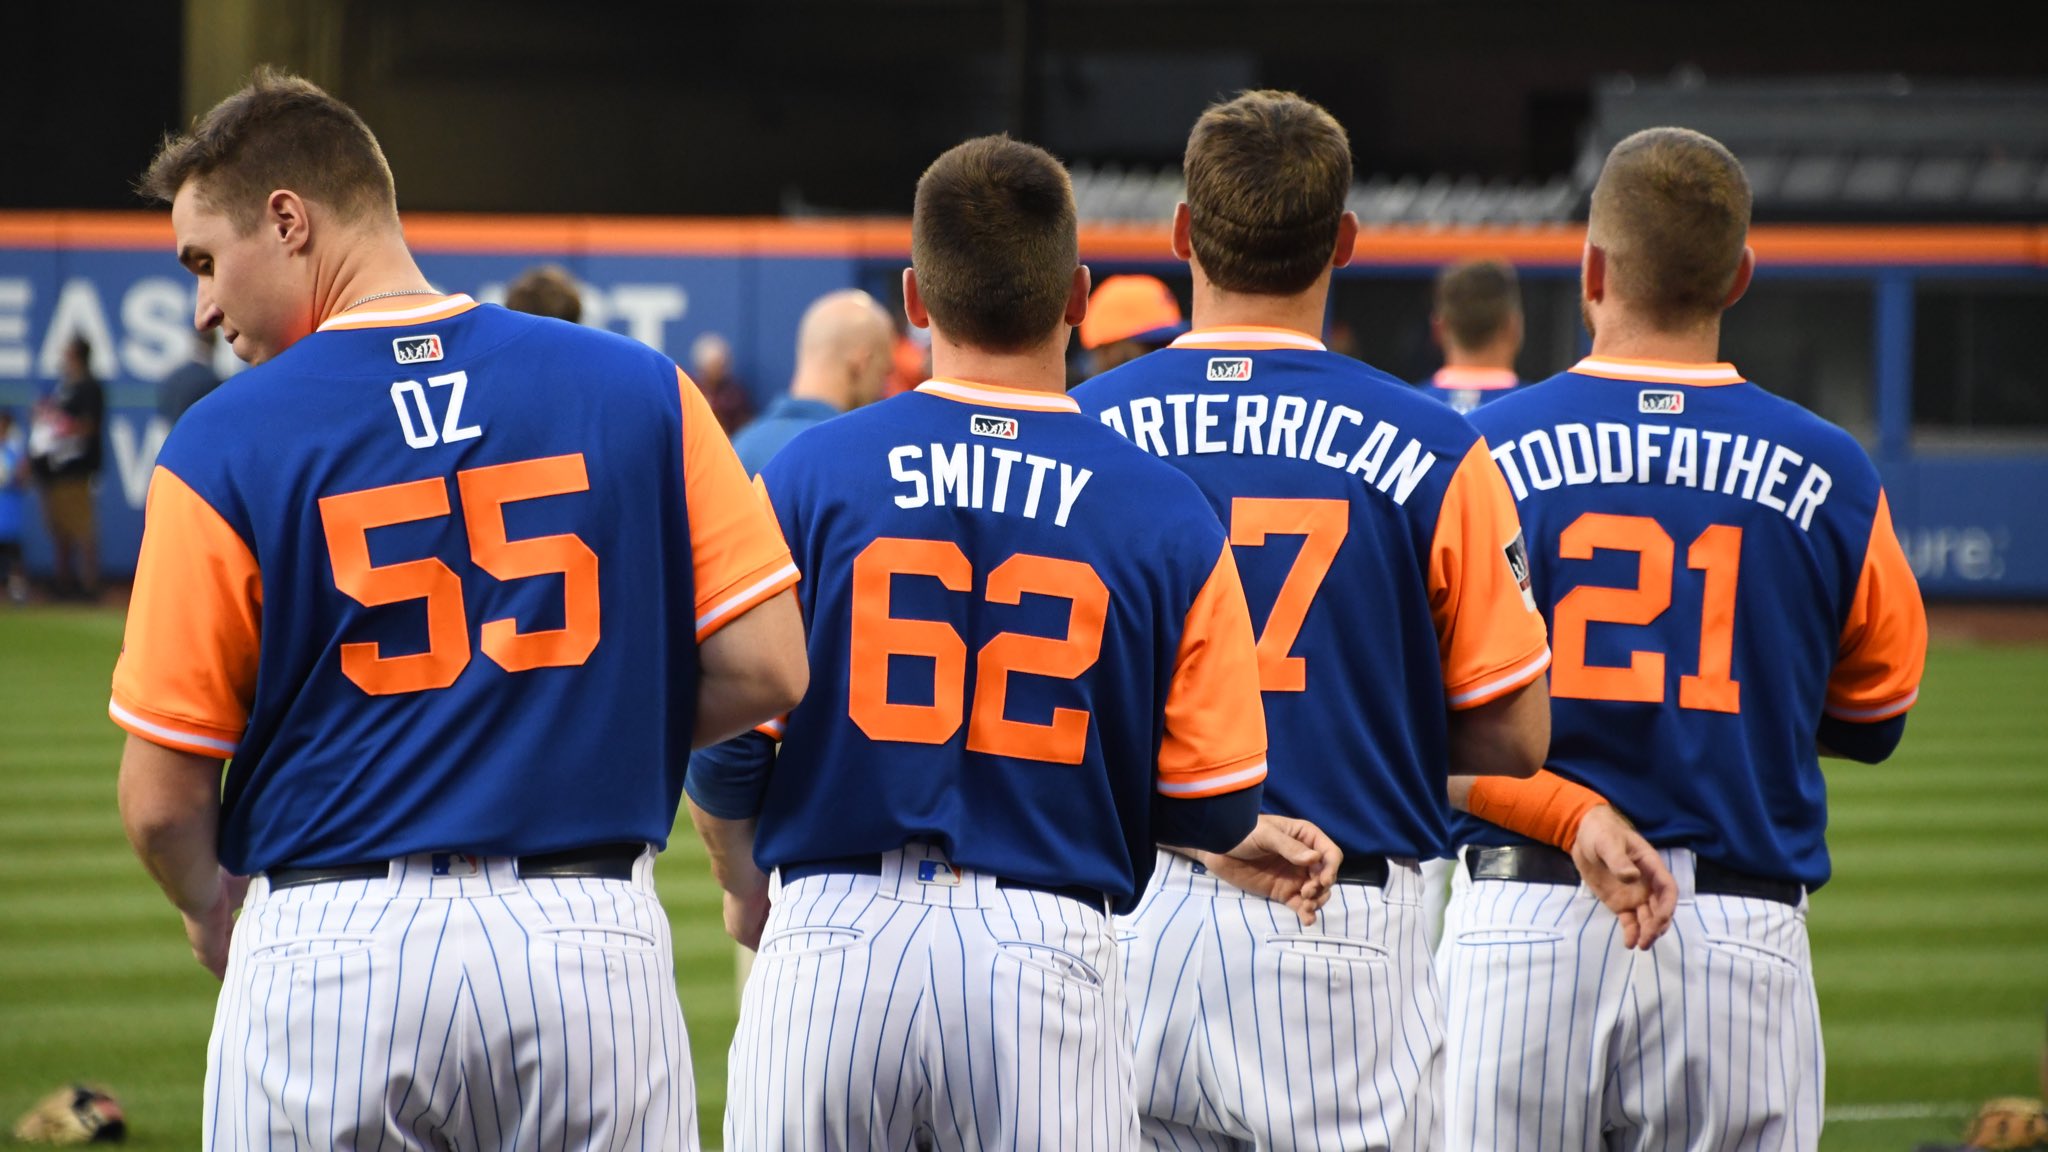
1476	300
546	290
1671	212
1267	175
994	243
279	132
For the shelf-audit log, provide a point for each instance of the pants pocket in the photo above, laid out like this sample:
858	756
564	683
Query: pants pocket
1053	961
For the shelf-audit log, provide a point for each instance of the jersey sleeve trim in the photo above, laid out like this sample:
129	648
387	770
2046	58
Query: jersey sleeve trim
1215	781
758	586
178	735
1884	711
1494	689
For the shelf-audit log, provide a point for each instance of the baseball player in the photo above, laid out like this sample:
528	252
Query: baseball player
1477	321
1031	662
1727	602
455	616
1380	555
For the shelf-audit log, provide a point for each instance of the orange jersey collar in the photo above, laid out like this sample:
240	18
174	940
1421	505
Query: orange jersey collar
426	313
997	396
1476	379
1658	371
1249	338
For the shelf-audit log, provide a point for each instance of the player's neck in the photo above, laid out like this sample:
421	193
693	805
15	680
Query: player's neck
821	385
368	265
1499	358
1624	338
1039	369
1303	313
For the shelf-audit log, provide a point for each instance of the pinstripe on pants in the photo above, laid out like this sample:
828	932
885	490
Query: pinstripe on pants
431	1012
1560	1039
1255	1032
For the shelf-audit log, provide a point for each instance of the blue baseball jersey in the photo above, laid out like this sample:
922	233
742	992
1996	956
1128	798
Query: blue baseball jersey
1466	390
434	579
1719	569
1379	553
1023	635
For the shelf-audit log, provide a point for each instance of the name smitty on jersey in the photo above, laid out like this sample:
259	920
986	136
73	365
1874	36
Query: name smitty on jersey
1675	455
986	477
1252	424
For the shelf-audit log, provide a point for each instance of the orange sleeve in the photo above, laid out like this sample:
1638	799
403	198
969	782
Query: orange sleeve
1215	718
1488	631
1884	643
187	673
737	552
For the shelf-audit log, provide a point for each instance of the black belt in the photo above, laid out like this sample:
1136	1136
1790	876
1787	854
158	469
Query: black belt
1369	871
871	865
600	862
1543	864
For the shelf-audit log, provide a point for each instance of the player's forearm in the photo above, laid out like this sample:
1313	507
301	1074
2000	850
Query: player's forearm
170	807
752	670
1505	737
730	845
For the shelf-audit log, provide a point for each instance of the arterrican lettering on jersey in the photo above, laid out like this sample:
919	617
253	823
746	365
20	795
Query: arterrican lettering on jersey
1730	463
985	477
1333	435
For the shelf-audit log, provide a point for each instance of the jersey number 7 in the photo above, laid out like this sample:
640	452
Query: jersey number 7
348	519
1322	524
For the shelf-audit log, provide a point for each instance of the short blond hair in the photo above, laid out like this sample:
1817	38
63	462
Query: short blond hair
1671	211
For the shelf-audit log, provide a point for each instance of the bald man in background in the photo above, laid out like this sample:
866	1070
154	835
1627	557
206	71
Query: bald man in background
843	349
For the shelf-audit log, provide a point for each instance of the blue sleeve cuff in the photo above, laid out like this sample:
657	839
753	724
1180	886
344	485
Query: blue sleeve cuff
1868	743
1211	823
730	780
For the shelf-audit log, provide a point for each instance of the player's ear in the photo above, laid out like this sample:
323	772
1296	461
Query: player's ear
1744	269
1077	296
1183	248
913	304
1593	273
284	214
1347	240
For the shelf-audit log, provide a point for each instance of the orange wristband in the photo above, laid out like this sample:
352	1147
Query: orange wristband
1545	807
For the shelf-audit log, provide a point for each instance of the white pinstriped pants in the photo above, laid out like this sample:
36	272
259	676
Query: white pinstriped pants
451	1011
1255	1032
1560	1039
893	1012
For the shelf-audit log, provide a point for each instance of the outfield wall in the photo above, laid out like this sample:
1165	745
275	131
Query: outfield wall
1975	521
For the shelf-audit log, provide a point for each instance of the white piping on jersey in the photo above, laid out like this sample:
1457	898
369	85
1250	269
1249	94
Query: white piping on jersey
351	318
738	598
1523	674
1013	398
1226	337
1651	372
224	747
1214	783
1882	712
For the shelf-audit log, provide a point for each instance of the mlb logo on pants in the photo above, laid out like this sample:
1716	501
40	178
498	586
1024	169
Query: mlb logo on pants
937	872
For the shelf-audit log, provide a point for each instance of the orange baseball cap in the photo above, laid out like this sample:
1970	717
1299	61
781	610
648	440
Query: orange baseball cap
1131	308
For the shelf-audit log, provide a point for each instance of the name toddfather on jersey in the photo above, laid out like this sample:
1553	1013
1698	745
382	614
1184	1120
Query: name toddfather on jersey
1675	455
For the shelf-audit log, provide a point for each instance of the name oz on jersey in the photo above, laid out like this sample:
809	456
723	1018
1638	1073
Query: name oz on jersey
416	415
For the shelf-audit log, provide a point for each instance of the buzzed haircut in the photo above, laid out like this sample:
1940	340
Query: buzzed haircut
279	131
994	243
546	290
1671	211
1475	300
1267	176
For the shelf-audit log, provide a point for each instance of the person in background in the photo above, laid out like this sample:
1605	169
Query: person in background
711	368
1477	321
13	507
546	290
188	381
1127	317
66	451
843	357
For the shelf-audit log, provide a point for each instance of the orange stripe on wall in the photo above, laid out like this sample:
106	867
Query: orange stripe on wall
888	238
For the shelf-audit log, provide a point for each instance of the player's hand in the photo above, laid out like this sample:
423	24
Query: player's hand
1626	874
746	905
213	930
1285	860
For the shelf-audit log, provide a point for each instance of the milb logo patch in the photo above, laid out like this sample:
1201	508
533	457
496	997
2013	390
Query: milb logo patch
1660	403
416	349
995	427
1229	369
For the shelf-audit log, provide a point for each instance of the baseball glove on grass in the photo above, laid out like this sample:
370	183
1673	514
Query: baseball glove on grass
78	1114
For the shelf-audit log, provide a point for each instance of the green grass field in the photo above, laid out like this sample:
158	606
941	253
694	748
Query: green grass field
1931	945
